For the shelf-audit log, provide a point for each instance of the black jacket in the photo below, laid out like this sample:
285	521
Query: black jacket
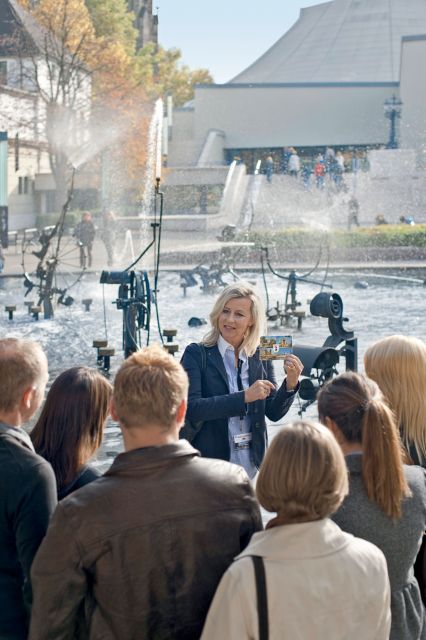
209	400
146	545
27	500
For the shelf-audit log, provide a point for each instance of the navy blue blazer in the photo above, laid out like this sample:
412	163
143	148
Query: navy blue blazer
210	401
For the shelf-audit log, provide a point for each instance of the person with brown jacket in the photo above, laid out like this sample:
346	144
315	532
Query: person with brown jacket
139	552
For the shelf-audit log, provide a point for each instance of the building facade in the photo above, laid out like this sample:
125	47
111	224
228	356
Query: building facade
324	83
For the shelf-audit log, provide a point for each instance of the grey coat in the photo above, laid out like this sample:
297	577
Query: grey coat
400	542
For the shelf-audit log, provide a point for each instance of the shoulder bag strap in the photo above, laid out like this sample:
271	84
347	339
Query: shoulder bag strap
262	597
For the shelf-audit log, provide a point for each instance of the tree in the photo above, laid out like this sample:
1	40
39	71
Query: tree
66	64
113	21
161	73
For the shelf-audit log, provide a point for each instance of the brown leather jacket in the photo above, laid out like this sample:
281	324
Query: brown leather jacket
144	546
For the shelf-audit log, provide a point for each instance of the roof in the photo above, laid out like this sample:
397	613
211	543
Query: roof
341	41
20	34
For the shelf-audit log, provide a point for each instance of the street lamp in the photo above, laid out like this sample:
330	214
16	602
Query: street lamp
392	107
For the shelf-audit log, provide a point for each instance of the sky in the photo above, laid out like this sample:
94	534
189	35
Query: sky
225	36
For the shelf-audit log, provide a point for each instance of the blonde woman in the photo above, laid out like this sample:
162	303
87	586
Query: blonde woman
387	499
398	365
320	582
230	389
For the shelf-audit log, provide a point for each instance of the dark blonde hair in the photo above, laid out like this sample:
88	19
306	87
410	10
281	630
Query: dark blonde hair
357	406
303	476
23	364
240	289
398	365
149	388
71	425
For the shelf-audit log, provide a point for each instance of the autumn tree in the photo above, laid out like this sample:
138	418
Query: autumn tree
161	72
113	21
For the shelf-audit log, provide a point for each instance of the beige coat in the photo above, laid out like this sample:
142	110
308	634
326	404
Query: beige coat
322	583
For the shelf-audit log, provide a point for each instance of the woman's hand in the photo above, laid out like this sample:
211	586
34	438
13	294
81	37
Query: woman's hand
293	367
259	390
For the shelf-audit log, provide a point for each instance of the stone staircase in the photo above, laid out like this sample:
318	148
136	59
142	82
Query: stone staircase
285	202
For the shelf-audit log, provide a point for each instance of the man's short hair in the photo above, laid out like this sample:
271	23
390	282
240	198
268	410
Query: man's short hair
149	388
23	364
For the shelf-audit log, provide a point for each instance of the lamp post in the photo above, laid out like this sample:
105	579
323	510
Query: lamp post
392	107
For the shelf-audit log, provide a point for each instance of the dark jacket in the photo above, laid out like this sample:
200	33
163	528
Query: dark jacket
399	540
85	232
86	475
147	543
27	500
209	400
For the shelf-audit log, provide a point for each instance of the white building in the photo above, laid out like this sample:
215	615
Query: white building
25	116
322	84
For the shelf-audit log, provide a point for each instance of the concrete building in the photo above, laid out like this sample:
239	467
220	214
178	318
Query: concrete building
322	84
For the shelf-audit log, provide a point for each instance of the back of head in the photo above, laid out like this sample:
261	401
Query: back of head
23	364
71	424
149	389
239	289
303	476
398	365
356	405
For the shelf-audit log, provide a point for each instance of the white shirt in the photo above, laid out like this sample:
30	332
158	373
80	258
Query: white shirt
237	425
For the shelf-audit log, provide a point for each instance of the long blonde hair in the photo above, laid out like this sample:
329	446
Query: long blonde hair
240	289
398	365
358	408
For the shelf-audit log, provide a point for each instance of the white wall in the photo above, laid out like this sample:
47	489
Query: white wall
274	116
182	147
413	93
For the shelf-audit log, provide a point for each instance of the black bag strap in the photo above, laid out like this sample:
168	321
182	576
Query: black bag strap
262	597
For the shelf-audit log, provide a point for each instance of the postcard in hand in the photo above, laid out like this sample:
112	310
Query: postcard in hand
275	347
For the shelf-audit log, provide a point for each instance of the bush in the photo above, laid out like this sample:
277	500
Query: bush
362	237
49	219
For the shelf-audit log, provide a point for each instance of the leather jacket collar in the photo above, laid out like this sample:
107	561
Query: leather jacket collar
148	457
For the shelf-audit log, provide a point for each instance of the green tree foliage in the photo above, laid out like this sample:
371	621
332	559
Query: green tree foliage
112	20
161	73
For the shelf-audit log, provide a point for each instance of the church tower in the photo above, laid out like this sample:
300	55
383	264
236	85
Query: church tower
145	22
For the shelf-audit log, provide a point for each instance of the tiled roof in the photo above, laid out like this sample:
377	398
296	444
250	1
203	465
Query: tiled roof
19	32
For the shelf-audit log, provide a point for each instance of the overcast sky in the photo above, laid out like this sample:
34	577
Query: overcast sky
225	36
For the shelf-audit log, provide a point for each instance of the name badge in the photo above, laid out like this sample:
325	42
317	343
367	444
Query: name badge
242	441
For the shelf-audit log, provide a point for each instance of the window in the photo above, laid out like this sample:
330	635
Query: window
3	72
23	185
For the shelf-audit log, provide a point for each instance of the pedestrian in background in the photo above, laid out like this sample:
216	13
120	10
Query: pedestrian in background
85	233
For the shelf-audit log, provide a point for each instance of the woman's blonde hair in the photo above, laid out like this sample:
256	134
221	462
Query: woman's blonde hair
398	365
358	408
240	289
303	476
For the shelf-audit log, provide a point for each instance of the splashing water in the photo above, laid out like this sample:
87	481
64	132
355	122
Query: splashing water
153	164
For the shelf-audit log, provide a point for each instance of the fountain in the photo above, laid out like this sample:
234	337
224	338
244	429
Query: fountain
140	292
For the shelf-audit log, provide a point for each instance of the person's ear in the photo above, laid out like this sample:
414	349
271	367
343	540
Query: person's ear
112	410
28	397
330	424
180	413
335	430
